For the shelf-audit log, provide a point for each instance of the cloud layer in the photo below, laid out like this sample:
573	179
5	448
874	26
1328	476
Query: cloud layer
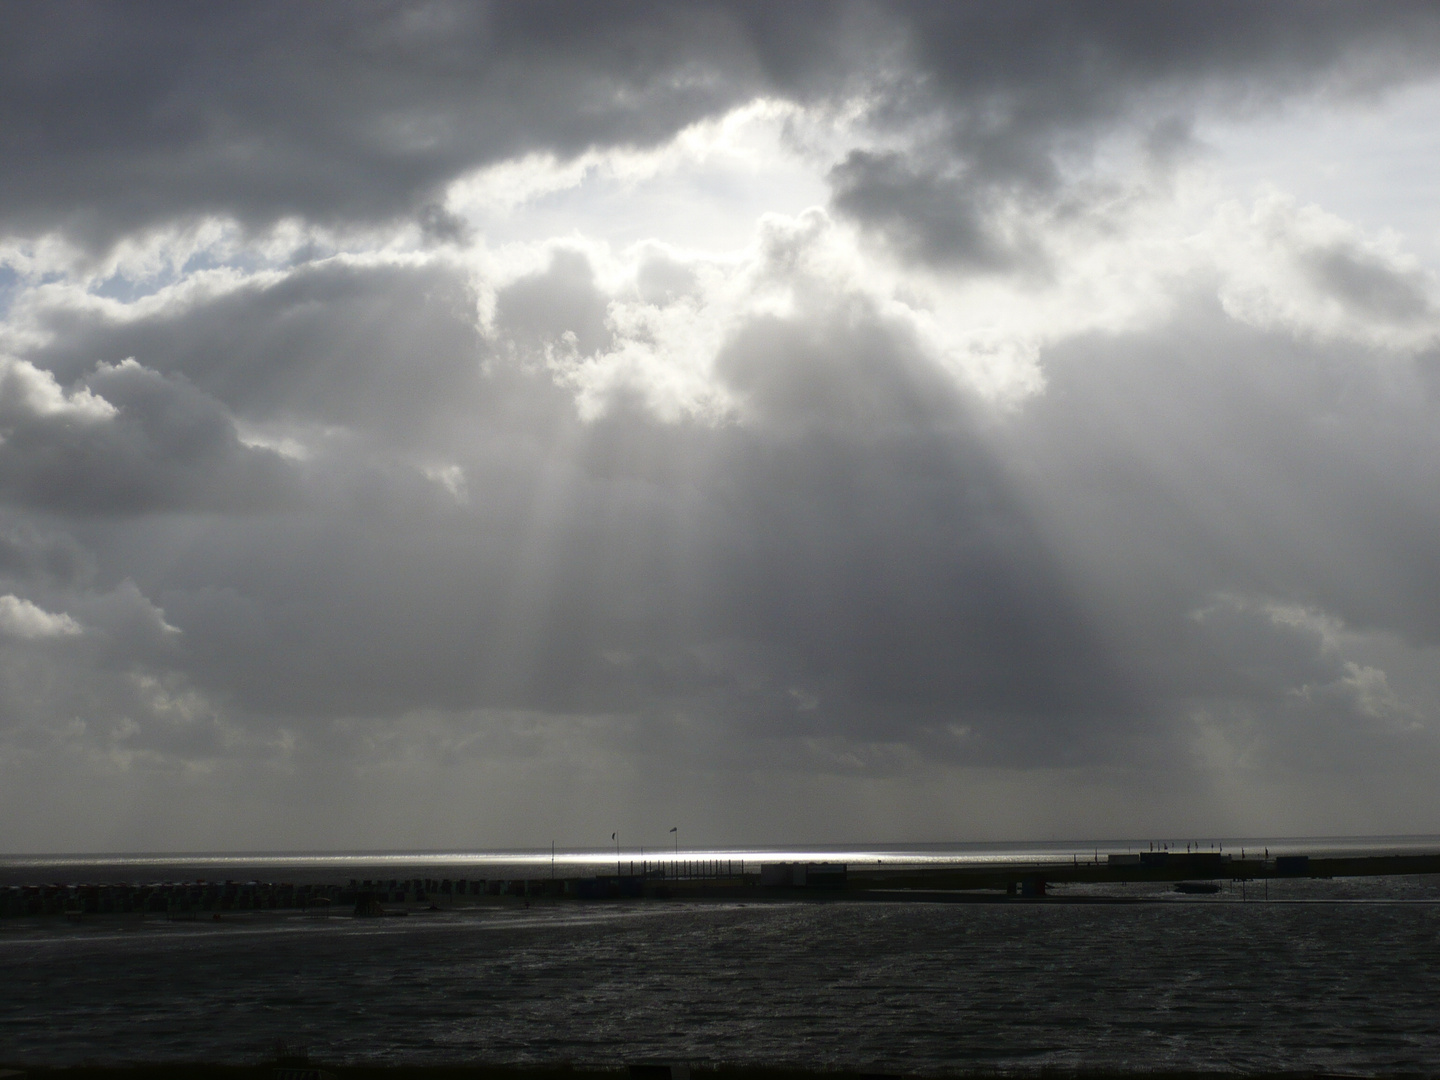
356	458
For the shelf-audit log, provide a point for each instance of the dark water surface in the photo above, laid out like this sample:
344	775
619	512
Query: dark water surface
1337	985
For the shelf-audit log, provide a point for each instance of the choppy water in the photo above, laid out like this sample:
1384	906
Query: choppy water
1338	976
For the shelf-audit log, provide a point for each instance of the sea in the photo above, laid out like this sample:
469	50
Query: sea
1339	977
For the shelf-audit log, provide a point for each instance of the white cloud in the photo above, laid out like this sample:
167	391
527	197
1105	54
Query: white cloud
452	479
285	445
22	619
28	391
1320	277
734	166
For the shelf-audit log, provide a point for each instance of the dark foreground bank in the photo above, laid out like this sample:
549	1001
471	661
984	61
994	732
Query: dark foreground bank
203	1071
1342	977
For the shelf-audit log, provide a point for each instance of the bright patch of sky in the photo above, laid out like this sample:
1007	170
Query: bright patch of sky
1370	161
704	190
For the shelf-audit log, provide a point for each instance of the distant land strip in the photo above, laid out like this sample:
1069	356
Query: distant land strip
717	879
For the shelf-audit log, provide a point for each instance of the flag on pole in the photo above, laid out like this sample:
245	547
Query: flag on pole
676	829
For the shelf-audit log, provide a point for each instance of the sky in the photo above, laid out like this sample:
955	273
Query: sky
474	425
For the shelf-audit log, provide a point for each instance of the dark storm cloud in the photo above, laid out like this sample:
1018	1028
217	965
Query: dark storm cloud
114	118
930	218
883	589
1363	282
1245	470
163	445
848	372
851	560
540	309
29	553
855	561
1024	72
334	112
380	347
1001	97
